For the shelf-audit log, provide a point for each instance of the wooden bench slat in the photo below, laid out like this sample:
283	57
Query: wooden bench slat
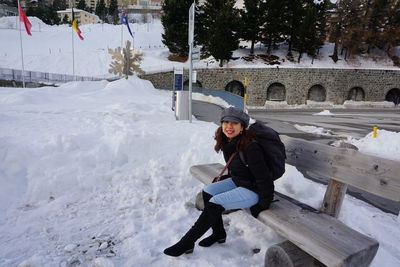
372	174
322	236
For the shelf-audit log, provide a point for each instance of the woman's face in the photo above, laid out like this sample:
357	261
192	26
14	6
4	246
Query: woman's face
231	129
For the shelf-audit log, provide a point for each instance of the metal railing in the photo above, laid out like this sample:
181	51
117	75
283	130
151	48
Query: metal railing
42	77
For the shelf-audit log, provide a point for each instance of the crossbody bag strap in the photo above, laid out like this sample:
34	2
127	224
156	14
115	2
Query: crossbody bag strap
226	166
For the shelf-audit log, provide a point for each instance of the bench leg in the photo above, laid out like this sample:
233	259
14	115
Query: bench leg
289	255
199	201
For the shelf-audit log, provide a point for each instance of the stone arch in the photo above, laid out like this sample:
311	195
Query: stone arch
393	95
235	87
356	94
276	92
197	84
317	93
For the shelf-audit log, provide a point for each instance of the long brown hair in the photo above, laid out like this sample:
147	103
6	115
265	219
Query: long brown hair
246	137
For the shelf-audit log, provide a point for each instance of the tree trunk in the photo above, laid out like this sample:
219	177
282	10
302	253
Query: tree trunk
335	53
221	62
252	46
300	54
269	47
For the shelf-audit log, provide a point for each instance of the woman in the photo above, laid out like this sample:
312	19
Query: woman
247	186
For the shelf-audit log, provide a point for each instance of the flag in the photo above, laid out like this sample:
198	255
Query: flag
25	20
124	20
75	25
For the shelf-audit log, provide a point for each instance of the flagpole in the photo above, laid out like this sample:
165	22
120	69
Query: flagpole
122	28
73	50
22	50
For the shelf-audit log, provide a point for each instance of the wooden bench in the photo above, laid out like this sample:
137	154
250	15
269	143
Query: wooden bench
317	236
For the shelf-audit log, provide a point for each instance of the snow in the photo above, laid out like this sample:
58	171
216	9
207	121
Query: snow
325	112
97	173
386	144
313	130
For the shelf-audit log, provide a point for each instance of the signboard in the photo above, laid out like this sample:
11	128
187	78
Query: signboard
195	54
178	80
191	23
194	77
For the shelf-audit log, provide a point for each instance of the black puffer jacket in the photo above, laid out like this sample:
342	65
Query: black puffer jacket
256	177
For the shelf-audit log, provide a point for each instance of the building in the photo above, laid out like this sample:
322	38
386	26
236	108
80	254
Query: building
82	17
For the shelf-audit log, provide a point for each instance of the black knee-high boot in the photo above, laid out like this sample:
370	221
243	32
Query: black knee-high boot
218	234
206	219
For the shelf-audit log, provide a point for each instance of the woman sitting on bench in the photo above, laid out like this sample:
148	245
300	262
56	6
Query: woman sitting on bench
247	185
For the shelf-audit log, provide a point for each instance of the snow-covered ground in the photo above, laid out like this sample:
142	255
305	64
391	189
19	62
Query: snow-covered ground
97	173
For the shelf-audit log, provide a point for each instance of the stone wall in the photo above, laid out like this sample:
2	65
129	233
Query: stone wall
337	83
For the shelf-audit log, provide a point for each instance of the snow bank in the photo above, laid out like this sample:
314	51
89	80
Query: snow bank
385	145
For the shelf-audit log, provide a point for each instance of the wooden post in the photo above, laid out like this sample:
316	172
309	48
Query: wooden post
333	198
287	254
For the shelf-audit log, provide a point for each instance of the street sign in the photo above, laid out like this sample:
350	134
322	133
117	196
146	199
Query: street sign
196	54
194	78
191	23
178	80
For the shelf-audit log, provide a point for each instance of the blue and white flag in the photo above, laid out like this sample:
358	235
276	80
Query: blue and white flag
124	20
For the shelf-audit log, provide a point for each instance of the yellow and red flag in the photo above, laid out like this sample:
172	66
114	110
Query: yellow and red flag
25	20
75	25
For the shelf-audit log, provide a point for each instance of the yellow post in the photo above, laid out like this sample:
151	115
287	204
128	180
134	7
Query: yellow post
374	134
246	82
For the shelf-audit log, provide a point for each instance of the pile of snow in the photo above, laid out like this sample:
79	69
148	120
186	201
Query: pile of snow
385	145
314	104
313	130
97	174
367	104
325	112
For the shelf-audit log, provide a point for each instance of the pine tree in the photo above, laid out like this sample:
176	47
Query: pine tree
335	30
307	32
347	27
113	11
353	31
320	26
293	16
391	32
82	5
220	24
101	9
175	22
65	19
46	13
377	19
59	5
275	23
252	20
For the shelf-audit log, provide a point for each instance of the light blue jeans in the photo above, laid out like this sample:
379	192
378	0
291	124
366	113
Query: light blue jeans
230	196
